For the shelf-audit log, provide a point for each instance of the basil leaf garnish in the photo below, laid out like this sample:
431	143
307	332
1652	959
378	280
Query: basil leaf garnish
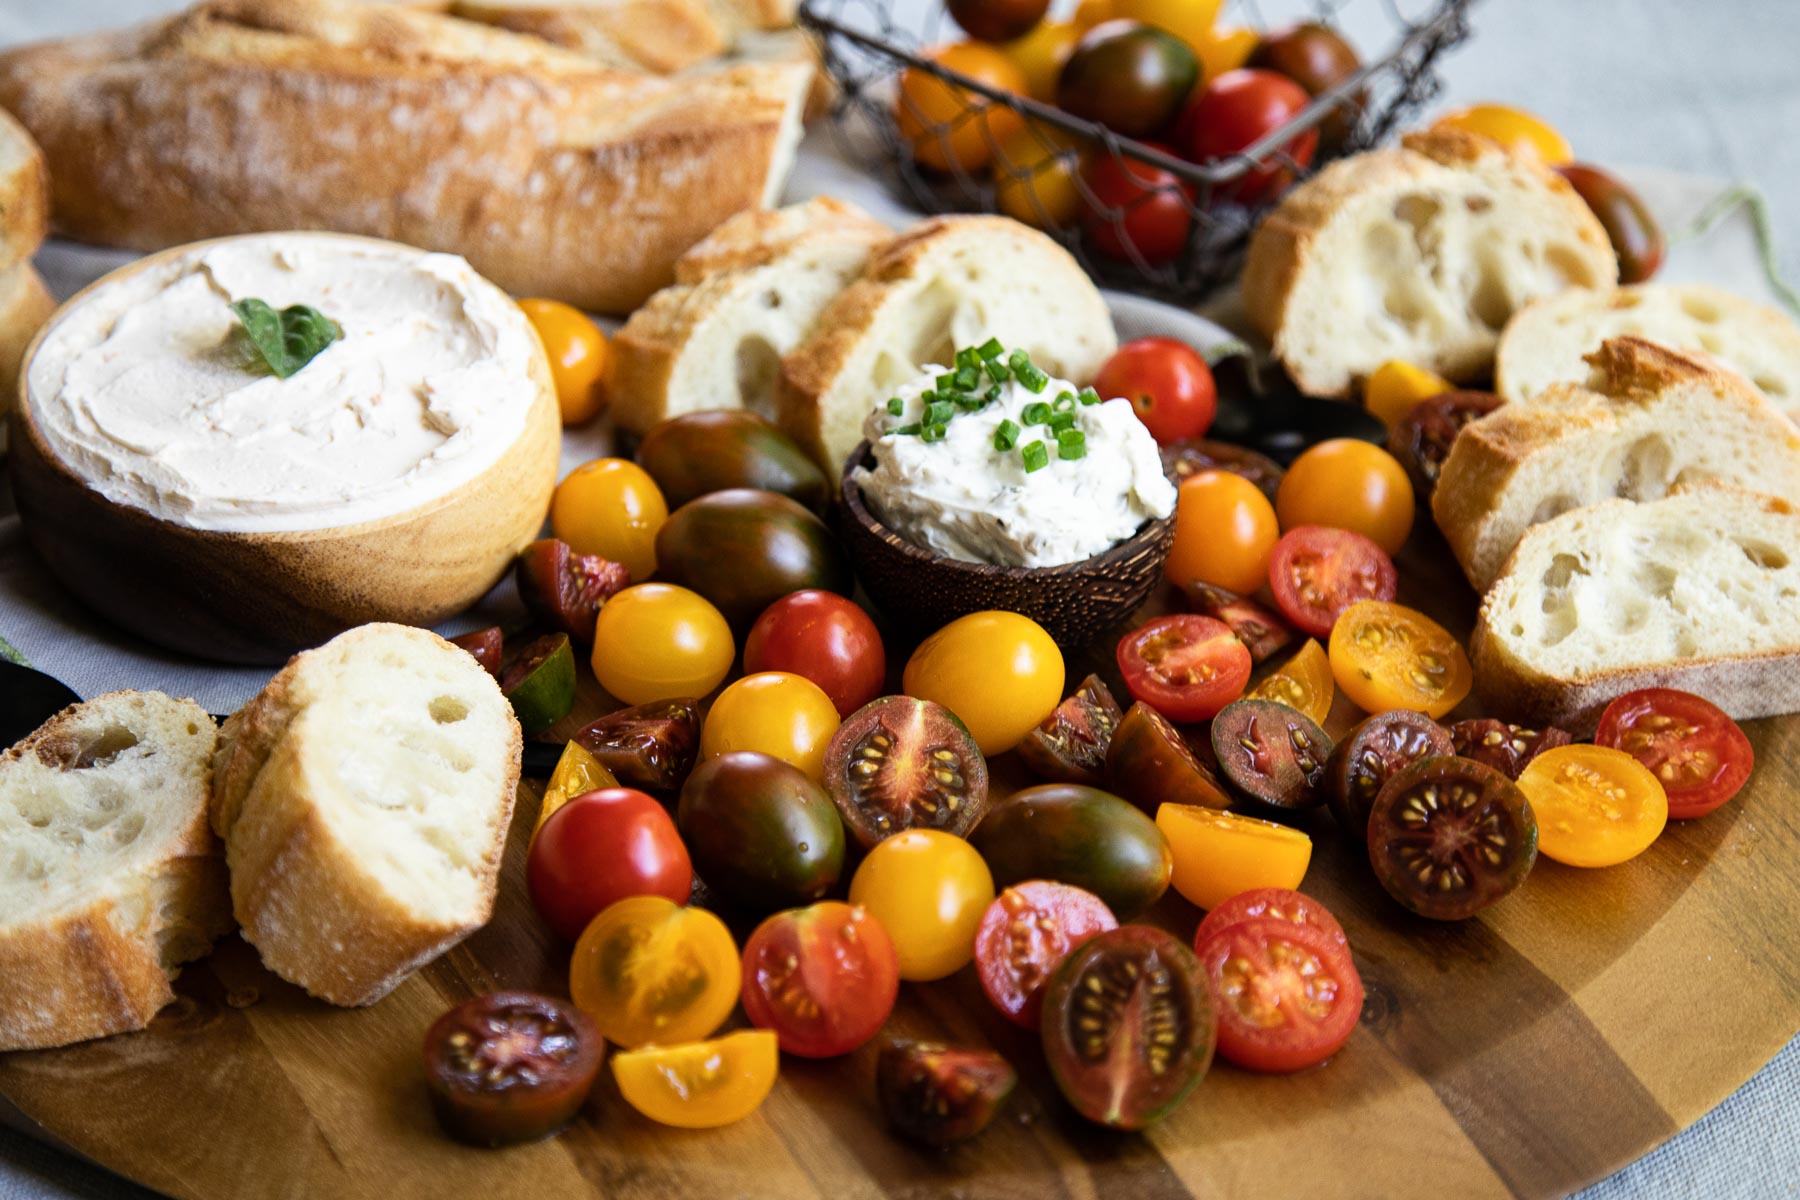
289	339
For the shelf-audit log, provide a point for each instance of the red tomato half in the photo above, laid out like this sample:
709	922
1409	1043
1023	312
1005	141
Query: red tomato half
1136	207
1024	936
601	847
825	638
1235	111
824	978
1187	667
1316	573
1274	903
1696	752
1167	382
1287	995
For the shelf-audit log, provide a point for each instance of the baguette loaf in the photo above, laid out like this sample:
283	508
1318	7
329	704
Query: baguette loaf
1421	252
109	876
551	175
364	797
1648	418
24	195
25	304
1698	591
946	283
652	35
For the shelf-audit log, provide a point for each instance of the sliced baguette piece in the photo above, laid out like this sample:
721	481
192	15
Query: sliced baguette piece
1546	341
946	283
1699	591
110	878
1420	252
364	797
24	194
747	295
1647	419
25	304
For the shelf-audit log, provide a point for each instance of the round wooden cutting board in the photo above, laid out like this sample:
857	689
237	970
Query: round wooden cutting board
1527	1052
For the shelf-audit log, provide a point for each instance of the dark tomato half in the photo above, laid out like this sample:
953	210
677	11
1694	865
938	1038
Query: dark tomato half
1185	666
485	646
902	763
824	978
1150	765
565	590
1194	455
510	1067
1316	573
1696	752
937	1095
1448	837
1273	903
1168	383
652	746
1138	211
1506	748
1373	753
1261	631
823	637
1024	936
1272	753
1070	745
1421	439
1288	994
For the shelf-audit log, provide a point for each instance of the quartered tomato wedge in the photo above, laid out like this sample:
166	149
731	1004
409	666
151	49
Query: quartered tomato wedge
1316	573
1386	656
1261	631
577	773
652	746
1696	752
1149	764
648	970
936	1095
1070	745
1595	806
1273	903
1302	683
1185	666
1219	854
701	1085
1288	994
1506	748
824	978
1024	936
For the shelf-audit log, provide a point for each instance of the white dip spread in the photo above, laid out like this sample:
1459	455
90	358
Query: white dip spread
143	389
963	498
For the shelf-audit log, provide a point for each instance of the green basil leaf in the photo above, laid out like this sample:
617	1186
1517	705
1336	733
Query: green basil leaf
289	339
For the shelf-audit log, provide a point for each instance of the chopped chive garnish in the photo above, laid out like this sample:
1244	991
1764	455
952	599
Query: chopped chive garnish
1061	421
1006	436
1036	456
991	395
906	430
967	401
1036	414
1065	402
990	348
1089	396
1071	443
939	411
997	371
896	406
1033	379
968	356
932	433
966	378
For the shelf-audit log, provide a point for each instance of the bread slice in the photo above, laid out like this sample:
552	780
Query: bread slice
1698	591
24	194
1647	419
946	283
25	304
364	797
1546	341
109	876
1420	252
748	294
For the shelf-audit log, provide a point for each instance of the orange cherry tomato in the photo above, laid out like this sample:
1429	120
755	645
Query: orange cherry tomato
1225	530
1034	176
1040	56
1386	656
650	970
1395	386
951	128
1189	20
777	713
1595	806
611	507
1219	854
701	1085
577	351
1347	483
1520	132
1303	683
1223	50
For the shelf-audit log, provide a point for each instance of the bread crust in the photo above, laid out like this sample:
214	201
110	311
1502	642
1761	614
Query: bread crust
663	36
24	196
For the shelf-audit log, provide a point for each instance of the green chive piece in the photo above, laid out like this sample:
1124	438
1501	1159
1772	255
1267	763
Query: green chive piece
1061	421
968	356
932	433
938	412
1036	456
1071	443
1089	396
967	378
997	371
1036	414
1064	402
990	348
968	401
906	430
896	406
1006	436
1033	379
991	395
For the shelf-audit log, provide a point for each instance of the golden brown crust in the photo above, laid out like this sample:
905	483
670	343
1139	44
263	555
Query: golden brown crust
25	304
1635	368
24	196
663	36
755	239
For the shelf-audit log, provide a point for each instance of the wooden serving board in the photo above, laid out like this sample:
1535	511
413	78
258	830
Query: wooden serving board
1526	1052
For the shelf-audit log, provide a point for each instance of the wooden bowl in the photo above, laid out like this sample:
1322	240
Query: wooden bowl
922	590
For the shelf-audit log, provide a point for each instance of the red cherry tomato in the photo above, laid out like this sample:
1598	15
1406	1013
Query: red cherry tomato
824	978
1696	752
1232	113
1136	207
1276	903
1024	936
602	847
1287	995
1187	667
825	638
1316	573
1167	382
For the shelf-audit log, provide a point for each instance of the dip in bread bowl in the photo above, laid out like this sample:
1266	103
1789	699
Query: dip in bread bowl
178	485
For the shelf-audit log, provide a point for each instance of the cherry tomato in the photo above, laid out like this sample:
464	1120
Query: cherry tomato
938	1095
577	352
1347	483
954	129
1190	20
1024	936
1232	113
784	716
1316	58
1519	131
929	891
1420	441
999	672
484	646
611	507
1128	76
1288	995
1225	530
1396	385
577	773
647	970
1595	806
1034	176
1169	385
1637	239
510	1067
1449	836
600	848
652	746
1090	13
1219	854
1696	752
997	20
1317	573
1040	56
1273	903
1506	748
1138	212
1225	50
657	641
1187	667
1384	657
702	1085
1303	683
825	638
824	978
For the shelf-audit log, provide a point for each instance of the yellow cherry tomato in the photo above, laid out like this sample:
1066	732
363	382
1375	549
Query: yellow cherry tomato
701	1085
1519	131
1395	386
577	351
650	970
929	891
656	641
1224	50
999	672
1090	13
948	126
1385	657
1189	20
1595	806
577	773
1040	56
775	713
1303	682
1347	483
1219	854
1225	530
611	507
1034	177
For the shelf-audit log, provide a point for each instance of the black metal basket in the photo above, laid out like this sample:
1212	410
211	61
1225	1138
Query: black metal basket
865	50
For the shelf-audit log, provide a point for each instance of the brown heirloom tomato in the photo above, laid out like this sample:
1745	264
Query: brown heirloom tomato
1081	836
565	590
510	1067
743	549
1636	238
1448	837
760	833
1130	77
1271	753
1421	438
1373	753
937	1095
1506	748
652	746
1149	764
485	646
998	20
699	453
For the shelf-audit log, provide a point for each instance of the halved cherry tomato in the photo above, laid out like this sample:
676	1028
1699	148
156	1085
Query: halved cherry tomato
485	646
1288	995
1421	439
1138	211
611	507
1261	631
1186	667
1169	385
1070	745
656	641
1595	806
937	1095
775	713
1385	656
999	672
1233	112
1696	752
510	1067
1449	836
825	637
1519	131
929	891
1273	903
701	1085
1219	854
602	847
1347	483
1271	753
1396	385
1317	573
1024	936
1225	530
950	128
647	970
577	773
1302	683
1506	748
577	352
824	978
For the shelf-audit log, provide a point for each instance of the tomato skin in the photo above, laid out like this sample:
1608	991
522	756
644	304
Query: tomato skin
1138	211
929	891
646	970
601	848
824	978
1636	238
1225	531
1385	656
1041	54
656	641
1317	574
1219	854
702	1085
950	128
1347	483
1024	936
1595	806
1234	111
1081	836
1185	666
577	352
823	637
784	716
997	20
1169	385
1396	385
1288	995
1521	132
760	833
611	507
1273	903
1131	77
1697	752
999	672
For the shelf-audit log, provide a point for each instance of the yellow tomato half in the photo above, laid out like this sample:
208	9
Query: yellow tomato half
656	641
1386	656
1347	483
776	713
1519	131
1595	806
611	507
701	1085
650	970
1303	682
1395	386
1219	854
929	891
577	773
577	352
999	672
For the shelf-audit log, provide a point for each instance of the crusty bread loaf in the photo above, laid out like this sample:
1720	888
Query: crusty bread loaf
24	195
1421	252
946	283
748	294
1546	341
551	175
652	35
1647	419
109	876
364	797
1698	591
25	304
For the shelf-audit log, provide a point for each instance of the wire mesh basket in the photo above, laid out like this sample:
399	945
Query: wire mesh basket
1180	228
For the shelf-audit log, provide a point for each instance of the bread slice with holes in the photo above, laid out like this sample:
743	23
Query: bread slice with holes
744	297
1546	341
363	797
110	878
1421	252
1646	419
946	283
1699	591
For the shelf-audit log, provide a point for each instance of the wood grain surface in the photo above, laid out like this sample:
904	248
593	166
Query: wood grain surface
1526	1052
